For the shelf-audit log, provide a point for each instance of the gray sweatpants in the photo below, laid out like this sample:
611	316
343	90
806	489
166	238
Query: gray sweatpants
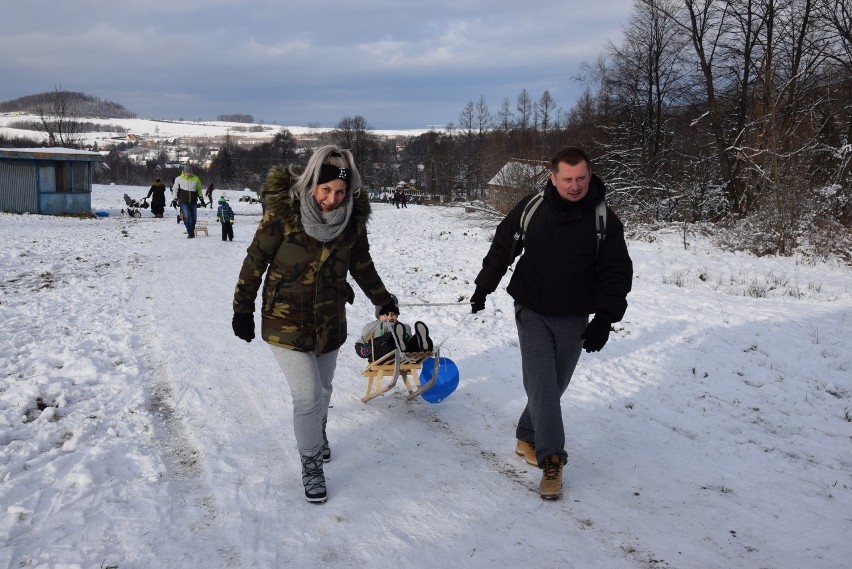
309	377
550	349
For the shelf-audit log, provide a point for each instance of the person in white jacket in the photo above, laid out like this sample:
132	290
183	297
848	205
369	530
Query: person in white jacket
188	192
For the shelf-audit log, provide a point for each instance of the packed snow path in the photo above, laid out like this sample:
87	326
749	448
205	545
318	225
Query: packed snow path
137	431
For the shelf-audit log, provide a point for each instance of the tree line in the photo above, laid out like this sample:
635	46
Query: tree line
736	112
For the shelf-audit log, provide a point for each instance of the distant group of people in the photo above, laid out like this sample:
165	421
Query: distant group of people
400	198
187	194
313	234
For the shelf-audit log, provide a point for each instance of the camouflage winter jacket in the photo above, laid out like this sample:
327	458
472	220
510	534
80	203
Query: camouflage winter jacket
305	291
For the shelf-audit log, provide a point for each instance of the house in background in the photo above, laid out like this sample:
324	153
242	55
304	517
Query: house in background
46	180
516	179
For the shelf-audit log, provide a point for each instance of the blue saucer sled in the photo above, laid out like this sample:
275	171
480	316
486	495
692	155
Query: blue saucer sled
424	374
446	382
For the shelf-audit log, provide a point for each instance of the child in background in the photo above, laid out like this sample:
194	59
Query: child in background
225	216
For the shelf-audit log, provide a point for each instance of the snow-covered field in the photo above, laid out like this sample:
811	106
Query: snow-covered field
137	432
154	129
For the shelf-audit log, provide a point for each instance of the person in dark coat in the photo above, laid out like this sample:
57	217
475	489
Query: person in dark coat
157	193
561	279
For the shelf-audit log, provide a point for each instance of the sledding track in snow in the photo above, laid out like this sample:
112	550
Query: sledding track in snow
239	477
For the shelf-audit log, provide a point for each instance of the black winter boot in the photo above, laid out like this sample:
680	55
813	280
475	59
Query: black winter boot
313	478
398	330
421	332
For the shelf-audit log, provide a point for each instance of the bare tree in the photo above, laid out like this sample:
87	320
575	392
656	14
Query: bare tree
546	110
354	134
483	123
58	120
784	117
839	18
583	114
524	122
707	25
646	79
505	119
483	116
467	129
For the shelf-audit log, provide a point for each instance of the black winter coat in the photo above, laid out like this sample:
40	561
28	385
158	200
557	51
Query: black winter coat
158	190
559	274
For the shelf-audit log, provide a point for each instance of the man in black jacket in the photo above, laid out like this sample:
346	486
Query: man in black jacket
562	278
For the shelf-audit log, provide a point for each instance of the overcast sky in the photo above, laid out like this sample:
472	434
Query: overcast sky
399	64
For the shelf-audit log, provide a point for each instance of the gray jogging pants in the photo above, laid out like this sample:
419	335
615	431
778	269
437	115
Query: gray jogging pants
550	350
309	377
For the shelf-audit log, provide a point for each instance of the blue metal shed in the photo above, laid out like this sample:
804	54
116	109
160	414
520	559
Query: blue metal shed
46	180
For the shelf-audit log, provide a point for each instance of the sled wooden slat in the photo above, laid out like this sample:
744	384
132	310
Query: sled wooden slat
201	225
393	365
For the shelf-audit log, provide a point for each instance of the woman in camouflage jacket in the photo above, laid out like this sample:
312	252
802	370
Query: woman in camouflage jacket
312	234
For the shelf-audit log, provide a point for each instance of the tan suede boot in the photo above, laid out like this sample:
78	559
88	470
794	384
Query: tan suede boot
550	487
527	450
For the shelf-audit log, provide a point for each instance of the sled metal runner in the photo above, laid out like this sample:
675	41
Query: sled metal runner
395	364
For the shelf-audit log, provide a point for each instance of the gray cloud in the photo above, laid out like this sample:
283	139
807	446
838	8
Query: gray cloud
402	64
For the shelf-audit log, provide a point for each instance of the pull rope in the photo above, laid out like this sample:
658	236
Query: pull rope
437	347
453	331
458	303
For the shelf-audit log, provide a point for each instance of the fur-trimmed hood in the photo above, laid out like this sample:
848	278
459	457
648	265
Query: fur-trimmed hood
305	287
275	194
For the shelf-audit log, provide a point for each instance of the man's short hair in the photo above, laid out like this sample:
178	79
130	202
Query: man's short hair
571	156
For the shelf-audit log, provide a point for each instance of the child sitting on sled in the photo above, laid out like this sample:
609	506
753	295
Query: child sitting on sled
382	335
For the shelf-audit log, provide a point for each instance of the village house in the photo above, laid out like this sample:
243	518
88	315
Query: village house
516	179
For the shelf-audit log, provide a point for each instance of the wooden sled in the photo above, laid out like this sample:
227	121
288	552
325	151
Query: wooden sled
394	365
201	226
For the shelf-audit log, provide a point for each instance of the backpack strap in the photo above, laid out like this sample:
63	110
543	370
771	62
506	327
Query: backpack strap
529	210
533	205
600	224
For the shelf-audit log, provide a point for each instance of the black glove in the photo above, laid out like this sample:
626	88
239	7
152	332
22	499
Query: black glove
243	325
203	204
596	334
477	301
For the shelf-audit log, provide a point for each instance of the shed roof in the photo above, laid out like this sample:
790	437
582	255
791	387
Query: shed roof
53	153
516	170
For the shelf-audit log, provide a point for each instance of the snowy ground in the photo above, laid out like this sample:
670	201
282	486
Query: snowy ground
137	432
